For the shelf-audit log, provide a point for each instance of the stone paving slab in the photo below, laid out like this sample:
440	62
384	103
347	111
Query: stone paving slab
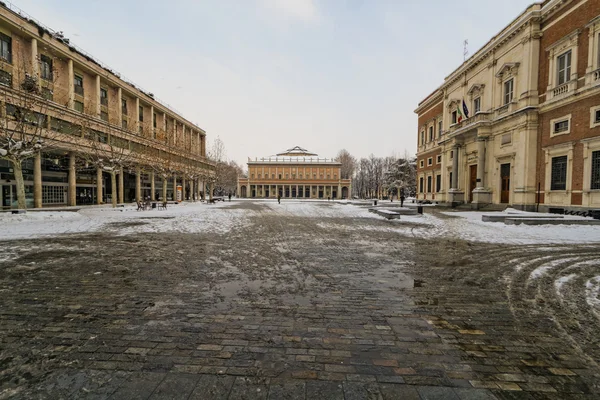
283	308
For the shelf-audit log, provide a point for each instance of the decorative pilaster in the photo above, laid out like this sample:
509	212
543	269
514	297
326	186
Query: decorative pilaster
37	181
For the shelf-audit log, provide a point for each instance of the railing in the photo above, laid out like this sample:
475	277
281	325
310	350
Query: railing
503	109
292	160
562	89
479	117
66	41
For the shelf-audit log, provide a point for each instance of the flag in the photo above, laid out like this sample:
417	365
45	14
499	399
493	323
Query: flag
465	109
459	114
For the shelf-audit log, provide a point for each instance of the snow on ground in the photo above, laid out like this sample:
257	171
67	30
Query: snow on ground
592	292
224	217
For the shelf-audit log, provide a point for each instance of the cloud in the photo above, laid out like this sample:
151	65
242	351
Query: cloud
305	10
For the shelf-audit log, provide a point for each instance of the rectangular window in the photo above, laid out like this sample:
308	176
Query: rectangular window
430	161
450	182
561	126
154	120
431	133
6	48
421	185
597	117
422	163
67	127
595	184
454	117
476	105
438	183
104	116
124	106
558	178
440	129
439	159
422	137
46	67
429	180
124	124
508	91
5	78
103	97
564	68
78	106
141	111
78	82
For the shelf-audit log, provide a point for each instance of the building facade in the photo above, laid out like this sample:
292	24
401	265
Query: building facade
294	173
82	106
569	87
516	123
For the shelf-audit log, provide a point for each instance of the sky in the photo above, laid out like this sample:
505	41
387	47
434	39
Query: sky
268	75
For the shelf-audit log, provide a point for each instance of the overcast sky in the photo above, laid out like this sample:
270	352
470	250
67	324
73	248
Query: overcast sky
267	75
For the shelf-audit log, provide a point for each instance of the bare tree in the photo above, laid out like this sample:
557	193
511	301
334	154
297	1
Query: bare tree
348	162
24	131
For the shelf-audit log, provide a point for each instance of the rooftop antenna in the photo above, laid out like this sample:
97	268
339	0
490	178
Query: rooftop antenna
465	49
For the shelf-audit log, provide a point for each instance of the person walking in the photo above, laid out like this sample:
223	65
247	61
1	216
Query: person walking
279	198
230	196
402	198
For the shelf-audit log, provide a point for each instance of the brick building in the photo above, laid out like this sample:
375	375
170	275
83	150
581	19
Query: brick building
294	173
90	105
569	87
519	122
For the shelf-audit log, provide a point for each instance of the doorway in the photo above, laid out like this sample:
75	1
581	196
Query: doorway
505	183
473	181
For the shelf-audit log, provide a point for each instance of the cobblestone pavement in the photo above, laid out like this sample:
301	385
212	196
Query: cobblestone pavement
285	309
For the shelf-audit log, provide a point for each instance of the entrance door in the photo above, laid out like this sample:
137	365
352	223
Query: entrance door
473	180
504	183
6	195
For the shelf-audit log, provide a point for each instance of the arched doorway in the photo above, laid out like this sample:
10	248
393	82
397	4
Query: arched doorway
344	192
243	193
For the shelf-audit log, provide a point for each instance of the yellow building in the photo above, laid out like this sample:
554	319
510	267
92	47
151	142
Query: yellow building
80	96
294	173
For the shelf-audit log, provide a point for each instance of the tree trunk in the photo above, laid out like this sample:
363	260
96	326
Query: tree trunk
18	171
113	184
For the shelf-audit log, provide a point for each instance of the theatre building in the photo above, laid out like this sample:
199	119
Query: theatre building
294	173
86	110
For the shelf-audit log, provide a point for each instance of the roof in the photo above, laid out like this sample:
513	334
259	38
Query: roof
297	151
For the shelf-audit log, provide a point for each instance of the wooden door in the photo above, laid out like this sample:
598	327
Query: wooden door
505	183
473	180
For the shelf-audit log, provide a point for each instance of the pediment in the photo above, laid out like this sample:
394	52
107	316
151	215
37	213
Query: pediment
508	69
454	103
476	88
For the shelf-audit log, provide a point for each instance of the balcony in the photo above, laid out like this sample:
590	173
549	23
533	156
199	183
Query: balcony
561	91
477	120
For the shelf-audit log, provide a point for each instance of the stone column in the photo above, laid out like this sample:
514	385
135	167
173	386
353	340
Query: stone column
35	62
455	168
152	128
152	187
138	184
72	199
119	109
98	185
339	191
297	191
174	187
37	181
136	123
183	188
97	101
71	84
121	187
480	161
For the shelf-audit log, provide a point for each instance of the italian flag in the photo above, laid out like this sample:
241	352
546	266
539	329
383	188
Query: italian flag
460	114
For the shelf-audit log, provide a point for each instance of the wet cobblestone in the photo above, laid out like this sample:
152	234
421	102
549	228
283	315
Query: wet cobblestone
280	309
